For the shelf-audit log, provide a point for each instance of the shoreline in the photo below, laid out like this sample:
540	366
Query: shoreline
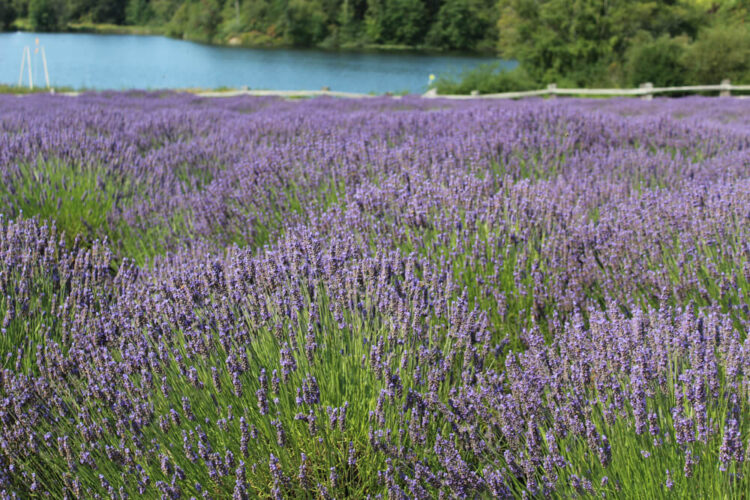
242	40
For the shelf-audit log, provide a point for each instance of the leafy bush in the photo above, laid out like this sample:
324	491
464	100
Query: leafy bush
720	52
659	61
196	21
305	22
6	14
460	25
138	12
487	79
47	15
395	21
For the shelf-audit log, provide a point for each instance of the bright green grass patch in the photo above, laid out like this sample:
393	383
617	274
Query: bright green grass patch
78	198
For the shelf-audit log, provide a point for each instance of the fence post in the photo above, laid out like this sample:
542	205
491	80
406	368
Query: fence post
648	95
727	90
552	89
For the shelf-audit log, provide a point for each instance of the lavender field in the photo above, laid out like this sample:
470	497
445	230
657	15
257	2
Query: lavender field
385	298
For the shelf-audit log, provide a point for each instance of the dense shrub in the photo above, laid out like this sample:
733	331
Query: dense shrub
659	61
720	52
460	25
395	21
47	15
486	79
305	22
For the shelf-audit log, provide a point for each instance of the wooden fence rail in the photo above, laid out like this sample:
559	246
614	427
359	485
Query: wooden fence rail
645	91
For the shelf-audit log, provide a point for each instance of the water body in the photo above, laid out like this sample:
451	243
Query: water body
153	62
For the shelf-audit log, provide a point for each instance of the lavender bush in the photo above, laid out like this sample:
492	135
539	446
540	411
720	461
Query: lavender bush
255	298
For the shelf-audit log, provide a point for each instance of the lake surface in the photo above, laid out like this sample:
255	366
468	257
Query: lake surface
154	62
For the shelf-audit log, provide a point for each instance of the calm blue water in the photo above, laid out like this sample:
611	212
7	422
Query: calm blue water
152	62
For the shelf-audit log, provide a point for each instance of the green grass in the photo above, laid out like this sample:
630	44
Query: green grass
78	198
24	89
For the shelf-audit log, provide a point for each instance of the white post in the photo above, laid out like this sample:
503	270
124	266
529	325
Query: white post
31	80
647	96
44	62
727	90
23	60
552	89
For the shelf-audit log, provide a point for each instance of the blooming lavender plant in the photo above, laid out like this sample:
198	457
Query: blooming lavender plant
254	298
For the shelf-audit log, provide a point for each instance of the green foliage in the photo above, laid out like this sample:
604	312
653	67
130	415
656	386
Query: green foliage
7	14
47	15
305	22
397	22
18	8
138	12
77	198
460	25
164	10
584	42
439	24
196	20
347	21
720	52
486	79
109	11
659	61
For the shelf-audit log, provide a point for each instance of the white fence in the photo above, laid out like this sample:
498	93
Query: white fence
645	91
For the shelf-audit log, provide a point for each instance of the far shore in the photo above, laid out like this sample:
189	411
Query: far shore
253	40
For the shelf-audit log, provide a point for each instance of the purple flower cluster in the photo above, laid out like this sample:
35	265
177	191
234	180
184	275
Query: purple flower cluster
394	298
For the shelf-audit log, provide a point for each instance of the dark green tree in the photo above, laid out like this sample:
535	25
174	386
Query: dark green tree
459	25
305	22
7	14
47	15
398	22
720	52
347	22
582	42
138	12
109	11
660	61
20	8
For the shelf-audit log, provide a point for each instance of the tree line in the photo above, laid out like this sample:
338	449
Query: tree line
461	25
569	42
614	43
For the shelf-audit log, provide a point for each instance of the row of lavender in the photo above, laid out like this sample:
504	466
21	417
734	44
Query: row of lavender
393	298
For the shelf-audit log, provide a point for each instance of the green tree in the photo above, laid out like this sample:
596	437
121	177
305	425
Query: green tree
720	52
582	42
20	8
659	61
399	22
138	12
7	14
459	25
164	10
108	11
348	25
197	20
305	22
47	15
